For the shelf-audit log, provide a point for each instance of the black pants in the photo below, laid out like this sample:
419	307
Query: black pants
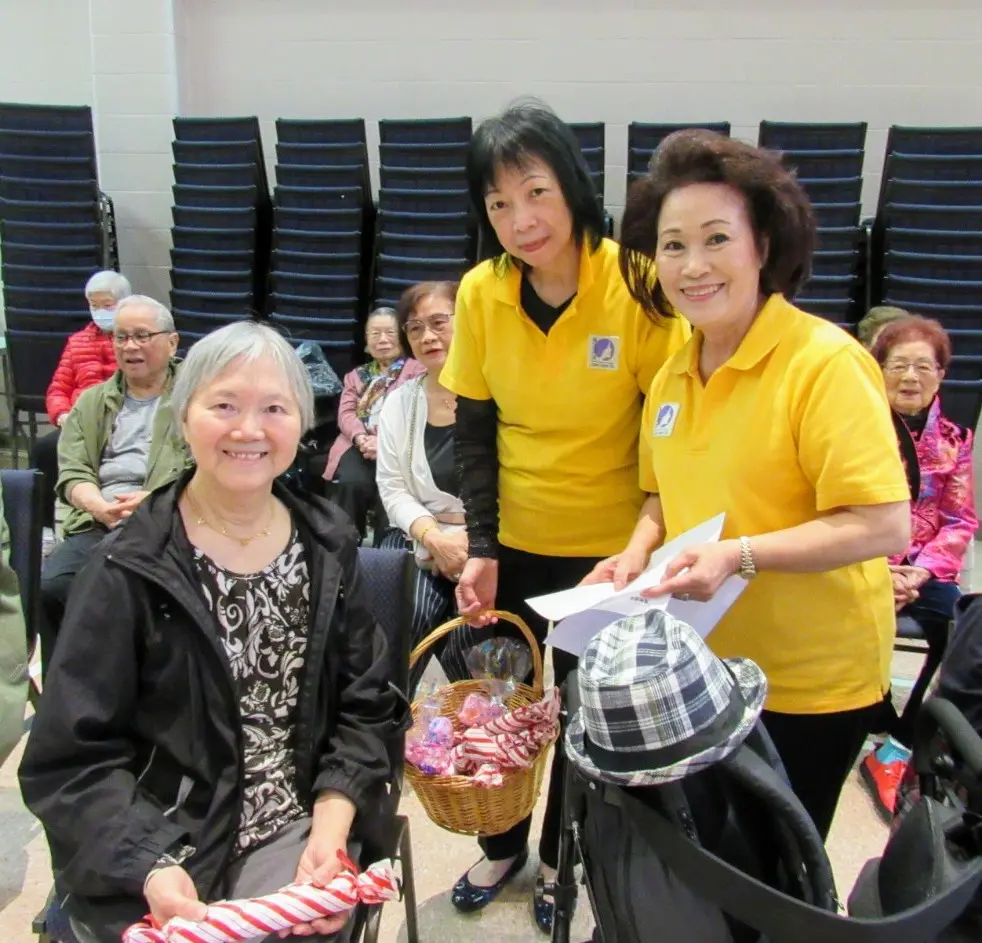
57	577
355	491
44	457
818	752
434	602
933	611
520	576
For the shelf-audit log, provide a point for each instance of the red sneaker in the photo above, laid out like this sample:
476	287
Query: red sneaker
883	780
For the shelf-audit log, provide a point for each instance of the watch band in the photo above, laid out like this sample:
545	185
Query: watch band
169	860
748	567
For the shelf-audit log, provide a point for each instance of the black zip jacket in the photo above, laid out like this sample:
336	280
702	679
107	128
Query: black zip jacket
137	746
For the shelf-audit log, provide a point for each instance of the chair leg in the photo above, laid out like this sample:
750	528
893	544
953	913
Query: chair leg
32	425
408	883
14	450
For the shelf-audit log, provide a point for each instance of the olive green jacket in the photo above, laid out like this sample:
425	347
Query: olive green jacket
13	650
87	431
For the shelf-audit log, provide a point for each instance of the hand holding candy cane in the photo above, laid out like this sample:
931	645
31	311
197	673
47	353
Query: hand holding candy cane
298	904
170	892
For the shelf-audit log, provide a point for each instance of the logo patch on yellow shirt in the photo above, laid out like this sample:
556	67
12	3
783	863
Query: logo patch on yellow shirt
604	352
665	419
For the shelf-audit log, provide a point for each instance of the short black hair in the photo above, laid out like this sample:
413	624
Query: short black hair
777	205
530	129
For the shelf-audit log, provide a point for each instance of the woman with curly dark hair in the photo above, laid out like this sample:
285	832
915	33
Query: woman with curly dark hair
779	420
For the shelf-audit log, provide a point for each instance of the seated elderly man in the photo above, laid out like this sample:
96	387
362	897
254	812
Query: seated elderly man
88	358
118	443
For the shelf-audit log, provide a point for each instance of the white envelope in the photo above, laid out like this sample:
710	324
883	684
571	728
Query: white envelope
583	611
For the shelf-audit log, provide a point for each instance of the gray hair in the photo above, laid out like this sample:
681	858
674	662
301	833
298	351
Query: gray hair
164	319
248	340
383	311
109	281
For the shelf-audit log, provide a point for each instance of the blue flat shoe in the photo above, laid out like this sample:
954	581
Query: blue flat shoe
543	910
469	898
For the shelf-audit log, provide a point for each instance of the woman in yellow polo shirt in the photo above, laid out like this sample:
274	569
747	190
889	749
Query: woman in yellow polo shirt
779	419
549	362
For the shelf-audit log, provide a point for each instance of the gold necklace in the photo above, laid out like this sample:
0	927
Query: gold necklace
448	402
244	541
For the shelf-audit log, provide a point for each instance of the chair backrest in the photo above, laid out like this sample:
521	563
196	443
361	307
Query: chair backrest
23	505
388	577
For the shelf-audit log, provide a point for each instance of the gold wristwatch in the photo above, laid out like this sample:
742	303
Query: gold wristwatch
748	569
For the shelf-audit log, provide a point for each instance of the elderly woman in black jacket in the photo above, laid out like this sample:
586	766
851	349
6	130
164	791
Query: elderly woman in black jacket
215	723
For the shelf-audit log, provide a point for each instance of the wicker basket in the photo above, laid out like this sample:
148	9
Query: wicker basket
455	802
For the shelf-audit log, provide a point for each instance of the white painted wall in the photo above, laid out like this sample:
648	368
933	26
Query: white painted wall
883	61
45	52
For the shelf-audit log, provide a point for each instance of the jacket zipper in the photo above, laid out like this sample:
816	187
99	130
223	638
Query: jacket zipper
306	695
189	608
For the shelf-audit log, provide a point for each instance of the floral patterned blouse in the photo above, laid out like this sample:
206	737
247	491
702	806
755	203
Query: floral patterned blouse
943	519
262	619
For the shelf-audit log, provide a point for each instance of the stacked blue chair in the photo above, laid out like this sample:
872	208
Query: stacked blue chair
221	223
322	234
643	139
52	242
592	137
425	228
928	246
828	161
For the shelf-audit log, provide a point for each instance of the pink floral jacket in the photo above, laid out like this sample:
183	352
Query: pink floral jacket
943	517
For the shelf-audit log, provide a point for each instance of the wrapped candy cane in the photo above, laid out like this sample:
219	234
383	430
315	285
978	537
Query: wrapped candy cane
488	775
521	718
236	921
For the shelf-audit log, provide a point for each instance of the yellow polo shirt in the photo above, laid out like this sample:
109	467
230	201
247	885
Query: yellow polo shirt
569	402
795	424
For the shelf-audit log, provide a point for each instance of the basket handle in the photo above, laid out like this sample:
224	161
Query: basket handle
516	621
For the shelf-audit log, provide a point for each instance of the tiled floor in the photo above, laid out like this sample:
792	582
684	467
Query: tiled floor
440	857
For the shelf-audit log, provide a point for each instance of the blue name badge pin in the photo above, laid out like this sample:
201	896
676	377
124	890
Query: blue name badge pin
665	419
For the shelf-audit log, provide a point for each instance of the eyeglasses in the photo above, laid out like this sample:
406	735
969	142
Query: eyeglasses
923	368
438	324
141	337
375	334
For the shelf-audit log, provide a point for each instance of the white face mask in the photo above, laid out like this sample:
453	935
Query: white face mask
103	318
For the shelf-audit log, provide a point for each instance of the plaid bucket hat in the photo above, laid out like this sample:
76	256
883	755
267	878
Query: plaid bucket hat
656	704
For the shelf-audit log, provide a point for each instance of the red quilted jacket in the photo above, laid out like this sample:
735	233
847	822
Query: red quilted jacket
88	358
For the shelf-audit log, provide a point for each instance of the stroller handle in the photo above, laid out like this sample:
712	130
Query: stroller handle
939	715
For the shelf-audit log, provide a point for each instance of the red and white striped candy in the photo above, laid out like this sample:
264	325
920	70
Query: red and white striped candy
489	775
545	711
236	921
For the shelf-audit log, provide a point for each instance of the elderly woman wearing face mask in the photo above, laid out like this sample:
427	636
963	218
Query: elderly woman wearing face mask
351	461
914	353
216	723
89	357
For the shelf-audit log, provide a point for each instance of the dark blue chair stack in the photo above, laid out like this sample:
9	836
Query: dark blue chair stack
592	136
644	137
425	228
221	223
928	246
322	235
52	242
828	161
